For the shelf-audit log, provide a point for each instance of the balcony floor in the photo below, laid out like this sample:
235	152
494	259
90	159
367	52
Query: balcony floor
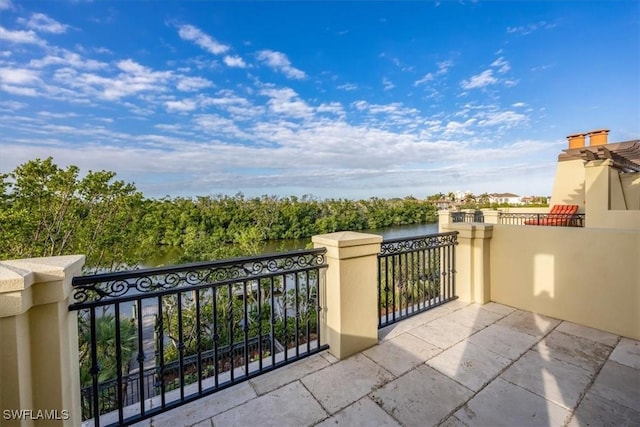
456	365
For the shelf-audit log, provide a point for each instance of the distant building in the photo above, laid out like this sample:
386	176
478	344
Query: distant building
510	198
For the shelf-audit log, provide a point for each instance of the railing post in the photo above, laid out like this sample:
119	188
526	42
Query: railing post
350	314
472	267
491	216
444	217
39	374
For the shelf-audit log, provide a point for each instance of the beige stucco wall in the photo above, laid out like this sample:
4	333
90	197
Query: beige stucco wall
606	207
586	276
350	314
39	340
569	185
631	187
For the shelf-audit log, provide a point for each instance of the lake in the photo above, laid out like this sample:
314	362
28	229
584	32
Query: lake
170	255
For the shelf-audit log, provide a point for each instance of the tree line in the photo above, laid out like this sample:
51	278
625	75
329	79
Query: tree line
46	210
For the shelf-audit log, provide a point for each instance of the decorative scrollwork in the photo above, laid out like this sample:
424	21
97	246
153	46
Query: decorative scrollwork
430	241
111	286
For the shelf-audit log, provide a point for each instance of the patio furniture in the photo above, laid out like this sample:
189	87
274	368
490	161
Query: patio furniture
560	215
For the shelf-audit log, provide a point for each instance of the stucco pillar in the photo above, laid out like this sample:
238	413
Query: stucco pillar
39	375
472	261
350	313
597	192
444	217
491	216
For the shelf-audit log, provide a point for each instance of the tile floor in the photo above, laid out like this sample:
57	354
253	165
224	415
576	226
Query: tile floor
457	365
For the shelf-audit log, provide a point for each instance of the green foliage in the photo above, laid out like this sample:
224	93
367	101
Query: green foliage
107	347
49	211
46	210
412	278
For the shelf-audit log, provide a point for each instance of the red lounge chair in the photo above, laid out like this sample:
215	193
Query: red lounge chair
560	215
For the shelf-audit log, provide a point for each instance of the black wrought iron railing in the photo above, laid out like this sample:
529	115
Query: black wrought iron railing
561	220
476	216
415	274
154	339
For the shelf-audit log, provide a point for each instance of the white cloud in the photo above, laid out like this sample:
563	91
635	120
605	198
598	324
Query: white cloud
192	84
18	76
501	64
134	79
18	36
459	128
279	62
427	78
483	79
286	102
5	4
348	87
11	106
194	34
225	98
234	61
181	106
443	68
68	59
530	28
503	118
332	107
387	84
43	23
518	104
360	105
18	90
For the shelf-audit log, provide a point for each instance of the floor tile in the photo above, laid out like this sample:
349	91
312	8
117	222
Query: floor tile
579	351
627	352
619	383
504	404
345	382
556	380
529	323
596	335
597	411
275	379
424	397
498	308
407	324
205	407
402	353
507	342
291	405
470	365
363	413
442	334
473	316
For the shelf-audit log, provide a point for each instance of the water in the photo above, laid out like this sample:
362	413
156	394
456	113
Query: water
168	255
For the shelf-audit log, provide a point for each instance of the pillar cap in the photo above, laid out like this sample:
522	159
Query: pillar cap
343	239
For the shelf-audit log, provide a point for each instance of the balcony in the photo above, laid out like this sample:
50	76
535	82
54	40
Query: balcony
458	364
465	361
485	324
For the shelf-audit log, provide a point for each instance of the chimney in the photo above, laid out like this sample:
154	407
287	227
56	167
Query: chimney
598	137
576	140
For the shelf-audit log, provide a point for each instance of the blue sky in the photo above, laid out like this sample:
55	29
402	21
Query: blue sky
332	99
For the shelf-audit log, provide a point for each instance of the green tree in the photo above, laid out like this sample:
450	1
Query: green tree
48	211
106	346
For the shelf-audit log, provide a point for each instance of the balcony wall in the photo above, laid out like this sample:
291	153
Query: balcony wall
587	276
